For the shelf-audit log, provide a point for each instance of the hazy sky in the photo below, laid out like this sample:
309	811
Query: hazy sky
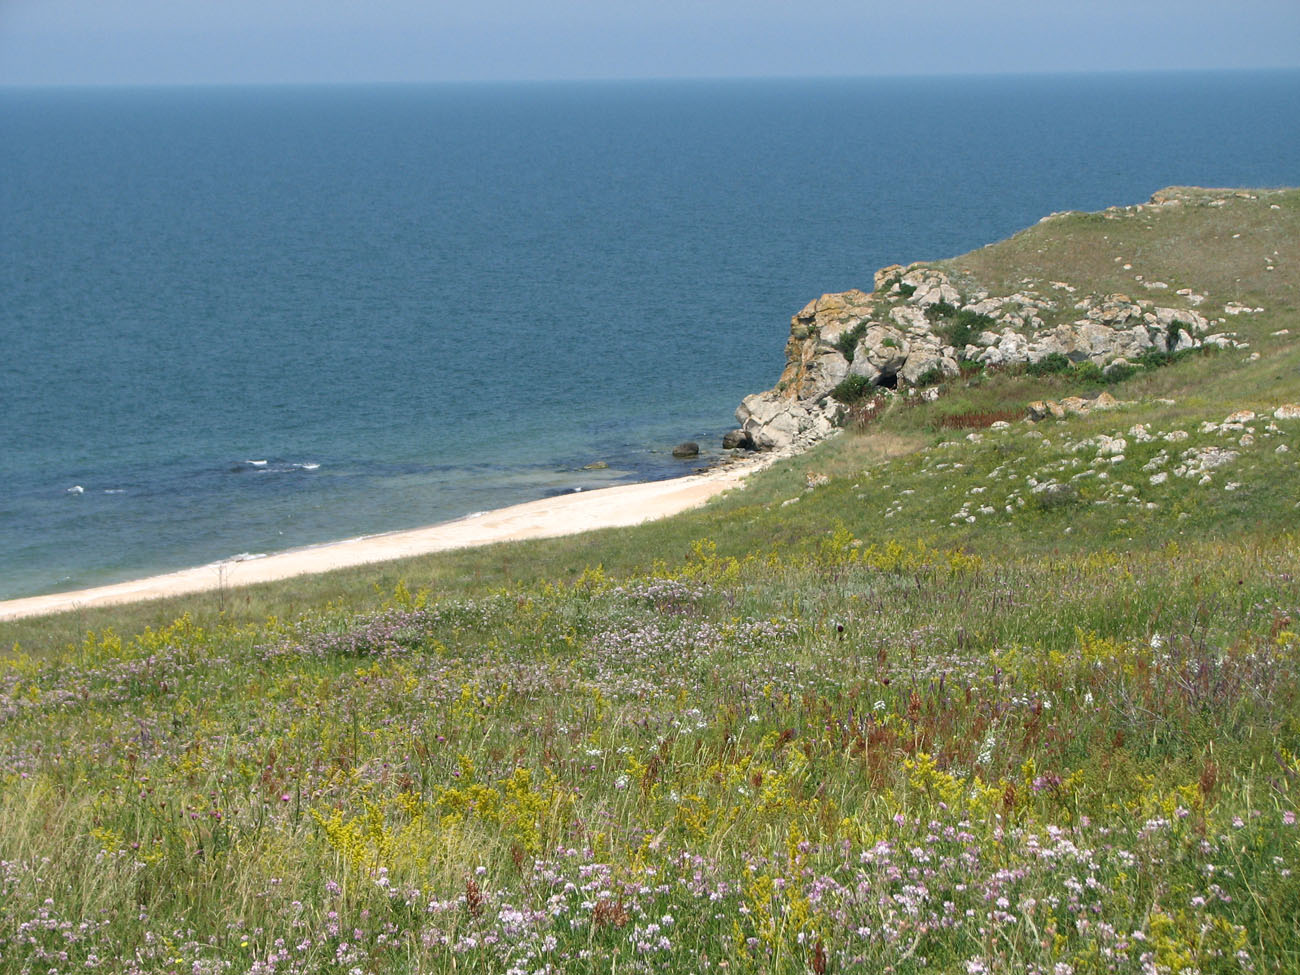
205	41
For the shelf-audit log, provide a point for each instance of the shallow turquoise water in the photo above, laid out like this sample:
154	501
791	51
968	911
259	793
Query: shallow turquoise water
416	302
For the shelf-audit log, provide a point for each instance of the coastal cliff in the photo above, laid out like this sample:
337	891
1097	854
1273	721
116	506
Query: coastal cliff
928	322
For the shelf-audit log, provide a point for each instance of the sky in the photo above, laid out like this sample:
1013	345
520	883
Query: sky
99	42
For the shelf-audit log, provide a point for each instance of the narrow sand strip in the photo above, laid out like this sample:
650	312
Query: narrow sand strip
614	507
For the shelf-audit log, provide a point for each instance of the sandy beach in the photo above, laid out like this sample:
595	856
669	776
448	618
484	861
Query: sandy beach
613	507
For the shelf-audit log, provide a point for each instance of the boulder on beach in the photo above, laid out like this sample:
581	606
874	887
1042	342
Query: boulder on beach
736	440
688	449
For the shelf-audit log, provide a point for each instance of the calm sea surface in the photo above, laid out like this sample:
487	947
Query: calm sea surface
243	320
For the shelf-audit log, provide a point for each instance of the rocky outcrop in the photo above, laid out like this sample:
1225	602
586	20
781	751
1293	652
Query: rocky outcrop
921	322
772	421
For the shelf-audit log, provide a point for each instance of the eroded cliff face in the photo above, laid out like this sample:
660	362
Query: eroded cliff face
920	324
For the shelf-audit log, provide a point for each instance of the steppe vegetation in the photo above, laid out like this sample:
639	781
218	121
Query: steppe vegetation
953	692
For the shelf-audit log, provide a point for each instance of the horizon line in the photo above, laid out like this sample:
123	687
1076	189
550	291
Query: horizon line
644	79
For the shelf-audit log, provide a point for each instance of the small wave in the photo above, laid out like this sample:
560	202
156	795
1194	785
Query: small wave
76	489
115	490
247	557
275	466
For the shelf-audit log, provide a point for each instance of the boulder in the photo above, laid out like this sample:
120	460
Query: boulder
887	274
923	359
688	449
736	440
934	292
880	353
824	372
772	421
910	318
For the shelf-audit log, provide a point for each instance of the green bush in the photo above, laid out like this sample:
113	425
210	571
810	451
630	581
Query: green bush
965	328
1088	372
906	290
931	377
1049	365
1153	359
1171	333
847	343
852	389
940	310
1117	374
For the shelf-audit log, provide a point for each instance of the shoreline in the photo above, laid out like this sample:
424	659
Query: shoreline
620	506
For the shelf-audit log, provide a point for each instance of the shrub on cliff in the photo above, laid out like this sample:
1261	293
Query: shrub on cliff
852	389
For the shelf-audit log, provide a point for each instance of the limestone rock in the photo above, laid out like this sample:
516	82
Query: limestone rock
923	359
736	440
910	318
880	353
772	421
688	449
887	274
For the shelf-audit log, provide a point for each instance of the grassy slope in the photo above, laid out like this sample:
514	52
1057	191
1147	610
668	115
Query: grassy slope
841	732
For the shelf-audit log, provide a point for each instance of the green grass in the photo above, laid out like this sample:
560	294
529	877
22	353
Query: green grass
920	718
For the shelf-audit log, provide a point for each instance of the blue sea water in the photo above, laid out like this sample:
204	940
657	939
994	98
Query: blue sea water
243	320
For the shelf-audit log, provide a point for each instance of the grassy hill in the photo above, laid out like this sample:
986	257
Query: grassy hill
952	692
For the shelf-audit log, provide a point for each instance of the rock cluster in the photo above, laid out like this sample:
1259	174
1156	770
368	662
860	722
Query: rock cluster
902	335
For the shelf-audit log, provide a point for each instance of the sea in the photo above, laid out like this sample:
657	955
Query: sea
239	320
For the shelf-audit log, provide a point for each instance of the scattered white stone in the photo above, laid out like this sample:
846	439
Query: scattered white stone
1199	461
1246	440
1110	446
1231	486
1282	331
1288	411
1240	416
787	503
1282	449
1174	436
